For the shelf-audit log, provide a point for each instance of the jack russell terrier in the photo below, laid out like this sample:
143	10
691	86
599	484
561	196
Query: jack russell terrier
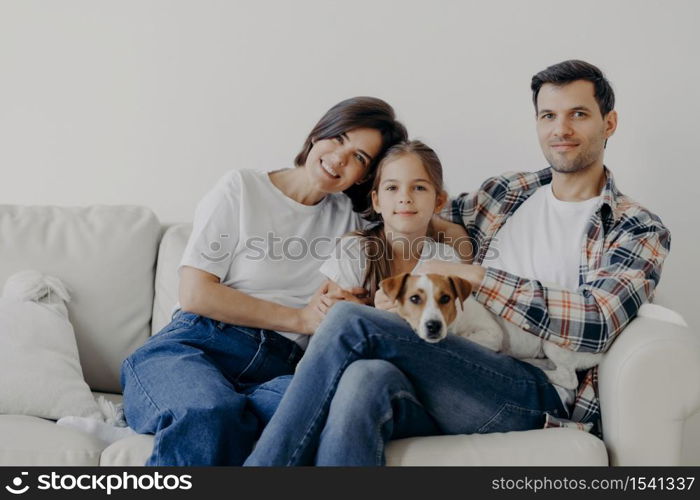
428	302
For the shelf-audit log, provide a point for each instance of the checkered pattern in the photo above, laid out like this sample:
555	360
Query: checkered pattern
620	267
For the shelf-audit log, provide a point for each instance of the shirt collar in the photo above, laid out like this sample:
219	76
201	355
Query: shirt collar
530	181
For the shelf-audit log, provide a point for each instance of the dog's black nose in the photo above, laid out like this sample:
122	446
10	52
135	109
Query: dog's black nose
433	327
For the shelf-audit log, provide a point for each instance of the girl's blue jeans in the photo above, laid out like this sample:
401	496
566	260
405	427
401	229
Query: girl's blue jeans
367	377
206	389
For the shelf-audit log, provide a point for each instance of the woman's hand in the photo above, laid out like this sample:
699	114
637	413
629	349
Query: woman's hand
310	317
335	293
328	294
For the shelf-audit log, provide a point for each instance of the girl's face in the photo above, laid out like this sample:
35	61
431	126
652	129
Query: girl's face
336	164
406	197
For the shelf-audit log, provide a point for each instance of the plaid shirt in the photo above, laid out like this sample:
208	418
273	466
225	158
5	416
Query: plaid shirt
619	268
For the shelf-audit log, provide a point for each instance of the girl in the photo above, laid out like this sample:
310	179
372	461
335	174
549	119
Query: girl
342	406
407	192
209	381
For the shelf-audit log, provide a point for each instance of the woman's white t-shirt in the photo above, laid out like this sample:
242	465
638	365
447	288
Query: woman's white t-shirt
263	243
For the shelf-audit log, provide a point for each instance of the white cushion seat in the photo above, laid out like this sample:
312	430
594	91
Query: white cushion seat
30	441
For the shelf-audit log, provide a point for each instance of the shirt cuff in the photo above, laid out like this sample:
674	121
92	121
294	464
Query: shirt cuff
497	290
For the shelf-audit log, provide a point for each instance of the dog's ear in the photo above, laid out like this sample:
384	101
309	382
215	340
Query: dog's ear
393	286
460	287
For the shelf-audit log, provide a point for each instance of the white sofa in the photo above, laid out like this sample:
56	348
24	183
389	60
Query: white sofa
119	263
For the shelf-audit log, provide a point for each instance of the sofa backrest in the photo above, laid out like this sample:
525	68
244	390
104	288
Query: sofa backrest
170	253
106	256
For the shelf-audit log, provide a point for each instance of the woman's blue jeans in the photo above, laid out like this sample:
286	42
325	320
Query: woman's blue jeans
367	377
206	389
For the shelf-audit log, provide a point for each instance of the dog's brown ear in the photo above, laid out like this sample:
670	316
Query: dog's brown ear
394	285
461	287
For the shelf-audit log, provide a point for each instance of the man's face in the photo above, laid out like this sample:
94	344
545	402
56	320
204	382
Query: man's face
571	130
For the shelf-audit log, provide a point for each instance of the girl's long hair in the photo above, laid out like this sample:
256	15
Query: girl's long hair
373	242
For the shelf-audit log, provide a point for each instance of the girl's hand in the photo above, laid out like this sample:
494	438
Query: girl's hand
381	301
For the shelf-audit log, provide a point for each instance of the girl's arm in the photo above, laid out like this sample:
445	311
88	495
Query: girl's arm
202	293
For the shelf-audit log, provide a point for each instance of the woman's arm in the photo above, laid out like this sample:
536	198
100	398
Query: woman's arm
202	293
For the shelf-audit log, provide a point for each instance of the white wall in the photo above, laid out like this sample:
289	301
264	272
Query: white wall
149	102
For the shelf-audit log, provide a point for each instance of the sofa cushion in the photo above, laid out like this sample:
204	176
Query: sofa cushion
40	373
28	440
106	256
128	452
540	447
172	246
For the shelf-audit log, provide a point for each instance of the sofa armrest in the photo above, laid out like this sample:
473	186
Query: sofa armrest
648	387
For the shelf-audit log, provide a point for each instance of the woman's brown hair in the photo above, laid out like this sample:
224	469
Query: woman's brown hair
350	114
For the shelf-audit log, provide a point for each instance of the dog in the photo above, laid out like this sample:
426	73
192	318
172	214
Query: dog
434	305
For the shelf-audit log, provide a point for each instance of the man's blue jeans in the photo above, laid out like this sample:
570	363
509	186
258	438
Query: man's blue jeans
206	389
367	377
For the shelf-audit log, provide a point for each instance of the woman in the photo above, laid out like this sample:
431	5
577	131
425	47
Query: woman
251	293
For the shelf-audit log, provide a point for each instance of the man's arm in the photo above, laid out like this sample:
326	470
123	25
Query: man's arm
588	319
454	235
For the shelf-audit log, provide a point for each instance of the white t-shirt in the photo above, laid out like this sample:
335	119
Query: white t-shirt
347	264
543	240
263	243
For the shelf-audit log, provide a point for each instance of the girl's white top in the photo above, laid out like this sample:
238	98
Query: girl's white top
348	262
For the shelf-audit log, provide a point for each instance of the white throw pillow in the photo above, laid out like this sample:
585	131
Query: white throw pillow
40	372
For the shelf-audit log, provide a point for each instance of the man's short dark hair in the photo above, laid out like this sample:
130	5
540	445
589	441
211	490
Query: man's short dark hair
570	71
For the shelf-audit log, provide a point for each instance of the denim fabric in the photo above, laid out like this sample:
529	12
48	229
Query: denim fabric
374	402
340	410
205	389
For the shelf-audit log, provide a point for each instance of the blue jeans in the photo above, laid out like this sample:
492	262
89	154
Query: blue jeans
367	377
206	389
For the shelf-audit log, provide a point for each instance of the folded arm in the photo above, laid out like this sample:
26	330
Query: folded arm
589	318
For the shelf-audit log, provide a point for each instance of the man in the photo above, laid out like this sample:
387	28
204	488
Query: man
567	224
366	378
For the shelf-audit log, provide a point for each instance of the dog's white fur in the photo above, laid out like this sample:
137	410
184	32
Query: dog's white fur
474	322
431	312
477	324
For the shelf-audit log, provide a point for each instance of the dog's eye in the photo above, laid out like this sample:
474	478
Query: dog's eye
444	299
415	299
